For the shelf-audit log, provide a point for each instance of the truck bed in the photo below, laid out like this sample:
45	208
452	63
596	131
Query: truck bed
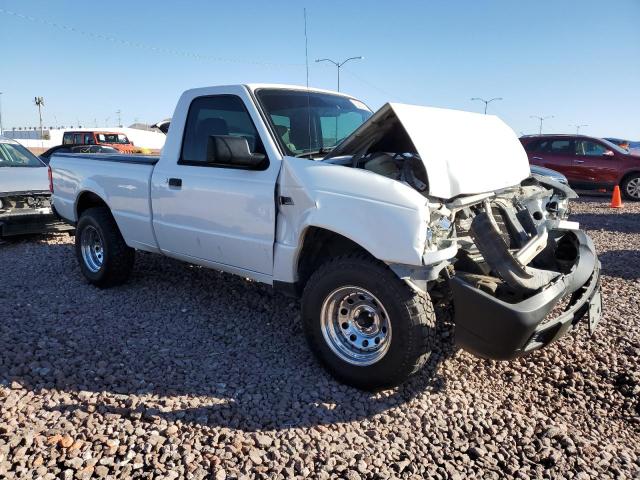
112	157
121	181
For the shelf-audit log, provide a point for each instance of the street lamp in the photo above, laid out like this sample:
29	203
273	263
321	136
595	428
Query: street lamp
542	119
486	102
39	102
338	64
578	127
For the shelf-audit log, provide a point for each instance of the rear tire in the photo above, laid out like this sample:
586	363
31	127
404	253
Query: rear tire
368	328
104	257
630	187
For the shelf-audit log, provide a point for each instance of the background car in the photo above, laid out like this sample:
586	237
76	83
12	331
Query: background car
25	205
46	156
589	163
547	172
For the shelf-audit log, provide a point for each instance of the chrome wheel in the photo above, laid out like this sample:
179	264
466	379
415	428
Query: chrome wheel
91	248
355	325
633	188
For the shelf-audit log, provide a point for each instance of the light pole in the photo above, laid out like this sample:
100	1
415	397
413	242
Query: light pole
338	64
39	102
0	113
578	127
486	102
542	119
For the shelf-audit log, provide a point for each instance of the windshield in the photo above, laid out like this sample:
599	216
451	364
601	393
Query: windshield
15	155
112	138
310	121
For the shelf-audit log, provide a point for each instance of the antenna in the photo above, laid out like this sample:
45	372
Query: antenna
306	46
306	59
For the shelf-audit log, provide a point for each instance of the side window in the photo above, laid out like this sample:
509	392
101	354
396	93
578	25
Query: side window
533	146
590	149
560	147
67	139
77	139
88	139
216	115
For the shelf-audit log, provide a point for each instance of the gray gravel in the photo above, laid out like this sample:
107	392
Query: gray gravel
187	372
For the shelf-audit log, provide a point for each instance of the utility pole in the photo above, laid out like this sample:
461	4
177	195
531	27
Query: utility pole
578	127
542	119
39	102
118	112
486	102
338	64
0	113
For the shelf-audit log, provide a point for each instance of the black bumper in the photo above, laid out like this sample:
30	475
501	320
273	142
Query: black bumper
491	328
30	223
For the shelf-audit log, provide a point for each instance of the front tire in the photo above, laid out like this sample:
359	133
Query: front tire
367	327
104	257
631	187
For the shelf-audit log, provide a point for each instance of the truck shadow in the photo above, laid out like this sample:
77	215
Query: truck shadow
178	342
623	264
616	221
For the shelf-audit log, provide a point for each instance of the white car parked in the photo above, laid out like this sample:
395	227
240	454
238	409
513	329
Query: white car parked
24	192
366	216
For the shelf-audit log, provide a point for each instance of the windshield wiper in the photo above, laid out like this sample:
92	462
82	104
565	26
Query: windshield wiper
311	153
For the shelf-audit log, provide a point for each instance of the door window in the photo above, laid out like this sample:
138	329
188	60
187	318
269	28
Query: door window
560	147
216	115
67	139
88	139
590	149
77	139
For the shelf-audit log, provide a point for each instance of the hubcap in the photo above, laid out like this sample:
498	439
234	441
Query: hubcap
633	188
91	248
355	325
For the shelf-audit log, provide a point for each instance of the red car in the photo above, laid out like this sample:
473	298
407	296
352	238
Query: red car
588	163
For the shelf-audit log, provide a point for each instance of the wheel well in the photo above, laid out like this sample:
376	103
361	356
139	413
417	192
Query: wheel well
319	246
629	174
88	200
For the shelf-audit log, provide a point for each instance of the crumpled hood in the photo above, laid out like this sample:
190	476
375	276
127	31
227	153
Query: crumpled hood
23	179
463	153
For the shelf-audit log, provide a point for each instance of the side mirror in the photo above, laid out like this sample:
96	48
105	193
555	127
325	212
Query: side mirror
232	151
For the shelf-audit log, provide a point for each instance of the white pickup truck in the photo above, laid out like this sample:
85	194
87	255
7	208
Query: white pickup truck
368	217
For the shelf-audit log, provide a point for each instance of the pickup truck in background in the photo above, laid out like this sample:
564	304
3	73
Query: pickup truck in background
116	140
370	218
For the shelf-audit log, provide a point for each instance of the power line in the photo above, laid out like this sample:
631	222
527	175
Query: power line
162	50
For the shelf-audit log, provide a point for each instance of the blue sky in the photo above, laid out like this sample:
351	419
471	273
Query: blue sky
576	60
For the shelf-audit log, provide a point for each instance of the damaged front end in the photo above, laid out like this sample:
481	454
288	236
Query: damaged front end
523	275
28	212
520	275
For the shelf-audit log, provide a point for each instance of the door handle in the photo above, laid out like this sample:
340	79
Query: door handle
579	161
175	182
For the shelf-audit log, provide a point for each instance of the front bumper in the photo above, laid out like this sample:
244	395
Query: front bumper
491	328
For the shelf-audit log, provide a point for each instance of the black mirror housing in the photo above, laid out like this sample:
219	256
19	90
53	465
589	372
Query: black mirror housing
232	151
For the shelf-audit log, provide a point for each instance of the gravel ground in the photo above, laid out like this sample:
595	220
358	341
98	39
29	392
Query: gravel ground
187	372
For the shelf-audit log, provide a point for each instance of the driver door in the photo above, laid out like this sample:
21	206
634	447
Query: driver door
211	214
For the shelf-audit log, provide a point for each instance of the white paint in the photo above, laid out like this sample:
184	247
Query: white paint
228	219
463	152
